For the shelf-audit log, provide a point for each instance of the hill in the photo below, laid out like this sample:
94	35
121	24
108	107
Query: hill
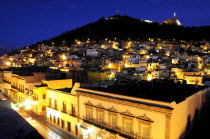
124	27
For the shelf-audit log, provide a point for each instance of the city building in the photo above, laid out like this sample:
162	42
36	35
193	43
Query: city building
62	109
106	113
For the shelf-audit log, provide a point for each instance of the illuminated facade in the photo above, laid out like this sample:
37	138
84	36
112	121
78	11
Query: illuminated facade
62	109
40	93
194	79
111	116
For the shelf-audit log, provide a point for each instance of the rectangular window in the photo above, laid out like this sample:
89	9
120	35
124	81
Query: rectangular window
44	96
50	117
100	117
145	132
62	124
113	121
69	126
58	121
89	113
73	110
54	120
64	106
76	129
50	102
128	126
55	104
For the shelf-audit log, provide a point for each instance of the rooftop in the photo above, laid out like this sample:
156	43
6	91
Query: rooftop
161	90
67	90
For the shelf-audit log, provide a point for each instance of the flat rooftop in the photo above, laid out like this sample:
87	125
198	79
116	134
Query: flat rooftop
160	90
66	90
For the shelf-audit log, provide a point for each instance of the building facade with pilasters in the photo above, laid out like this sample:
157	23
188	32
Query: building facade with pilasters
109	116
105	115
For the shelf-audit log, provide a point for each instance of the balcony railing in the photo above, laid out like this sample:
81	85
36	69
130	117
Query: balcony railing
52	107
108	127
73	114
6	81
14	87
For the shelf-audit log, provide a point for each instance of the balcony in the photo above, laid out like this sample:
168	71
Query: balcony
64	111
6	81
108	127
73	114
14	87
50	106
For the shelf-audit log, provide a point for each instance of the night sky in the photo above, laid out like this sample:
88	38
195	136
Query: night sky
24	22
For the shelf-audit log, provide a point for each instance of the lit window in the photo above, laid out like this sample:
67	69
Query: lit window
145	132
100	116
89	113
113	121
128	126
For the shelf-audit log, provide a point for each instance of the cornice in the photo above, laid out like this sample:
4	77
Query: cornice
128	103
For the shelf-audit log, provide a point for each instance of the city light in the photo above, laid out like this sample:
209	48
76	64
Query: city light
110	66
78	42
64	57
149	77
27	104
8	63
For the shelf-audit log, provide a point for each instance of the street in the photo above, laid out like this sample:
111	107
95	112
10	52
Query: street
44	130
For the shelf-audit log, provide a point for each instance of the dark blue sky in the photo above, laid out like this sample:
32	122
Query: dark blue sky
24	22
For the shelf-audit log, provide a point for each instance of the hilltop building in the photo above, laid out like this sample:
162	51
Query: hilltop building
172	21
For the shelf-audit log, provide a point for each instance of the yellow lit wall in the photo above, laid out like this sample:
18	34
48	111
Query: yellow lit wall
158	126
116	66
39	96
194	79
184	112
179	72
71	100
97	76
56	84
